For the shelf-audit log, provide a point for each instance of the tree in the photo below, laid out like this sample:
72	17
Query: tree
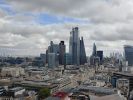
44	92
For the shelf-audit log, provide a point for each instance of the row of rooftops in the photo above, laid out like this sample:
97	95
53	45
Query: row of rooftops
11	89
15	89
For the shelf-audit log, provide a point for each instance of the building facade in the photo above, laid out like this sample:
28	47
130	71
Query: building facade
51	60
129	54
62	50
68	59
100	55
53	48
94	53
83	58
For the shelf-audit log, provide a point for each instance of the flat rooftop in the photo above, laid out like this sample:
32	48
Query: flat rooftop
16	89
123	73
109	97
96	89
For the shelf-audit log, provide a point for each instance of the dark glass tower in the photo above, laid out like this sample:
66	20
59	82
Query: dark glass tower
129	54
62	50
94	53
100	55
83	58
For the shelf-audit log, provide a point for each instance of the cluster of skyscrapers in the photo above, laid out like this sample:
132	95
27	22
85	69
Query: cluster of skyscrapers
56	53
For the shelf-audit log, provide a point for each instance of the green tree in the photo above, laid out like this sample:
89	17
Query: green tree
44	93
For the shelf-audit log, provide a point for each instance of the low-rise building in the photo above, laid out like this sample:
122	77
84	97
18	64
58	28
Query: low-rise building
35	85
12	71
13	94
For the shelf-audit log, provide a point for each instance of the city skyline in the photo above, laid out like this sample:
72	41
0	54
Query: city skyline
27	27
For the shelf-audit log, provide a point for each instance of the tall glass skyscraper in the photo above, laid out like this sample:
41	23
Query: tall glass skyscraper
83	58
52	60
100	55
74	46
129	54
94	53
62	50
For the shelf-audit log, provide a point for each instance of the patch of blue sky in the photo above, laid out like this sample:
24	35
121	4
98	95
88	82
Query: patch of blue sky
47	19
7	8
54	19
75	20
2	2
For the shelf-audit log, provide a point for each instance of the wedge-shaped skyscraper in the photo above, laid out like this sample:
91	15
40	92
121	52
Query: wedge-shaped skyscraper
83	58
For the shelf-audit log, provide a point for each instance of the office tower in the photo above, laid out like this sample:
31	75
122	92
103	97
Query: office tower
129	54
92	57
43	58
50	48
68	59
120	66
70	43
51	60
47	56
94	60
83	58
94	53
53	48
62	50
74	46
91	60
100	55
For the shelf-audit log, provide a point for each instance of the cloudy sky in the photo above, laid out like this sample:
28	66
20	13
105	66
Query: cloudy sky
27	26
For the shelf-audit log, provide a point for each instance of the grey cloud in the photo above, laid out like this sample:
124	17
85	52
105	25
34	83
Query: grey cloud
98	11
46	5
